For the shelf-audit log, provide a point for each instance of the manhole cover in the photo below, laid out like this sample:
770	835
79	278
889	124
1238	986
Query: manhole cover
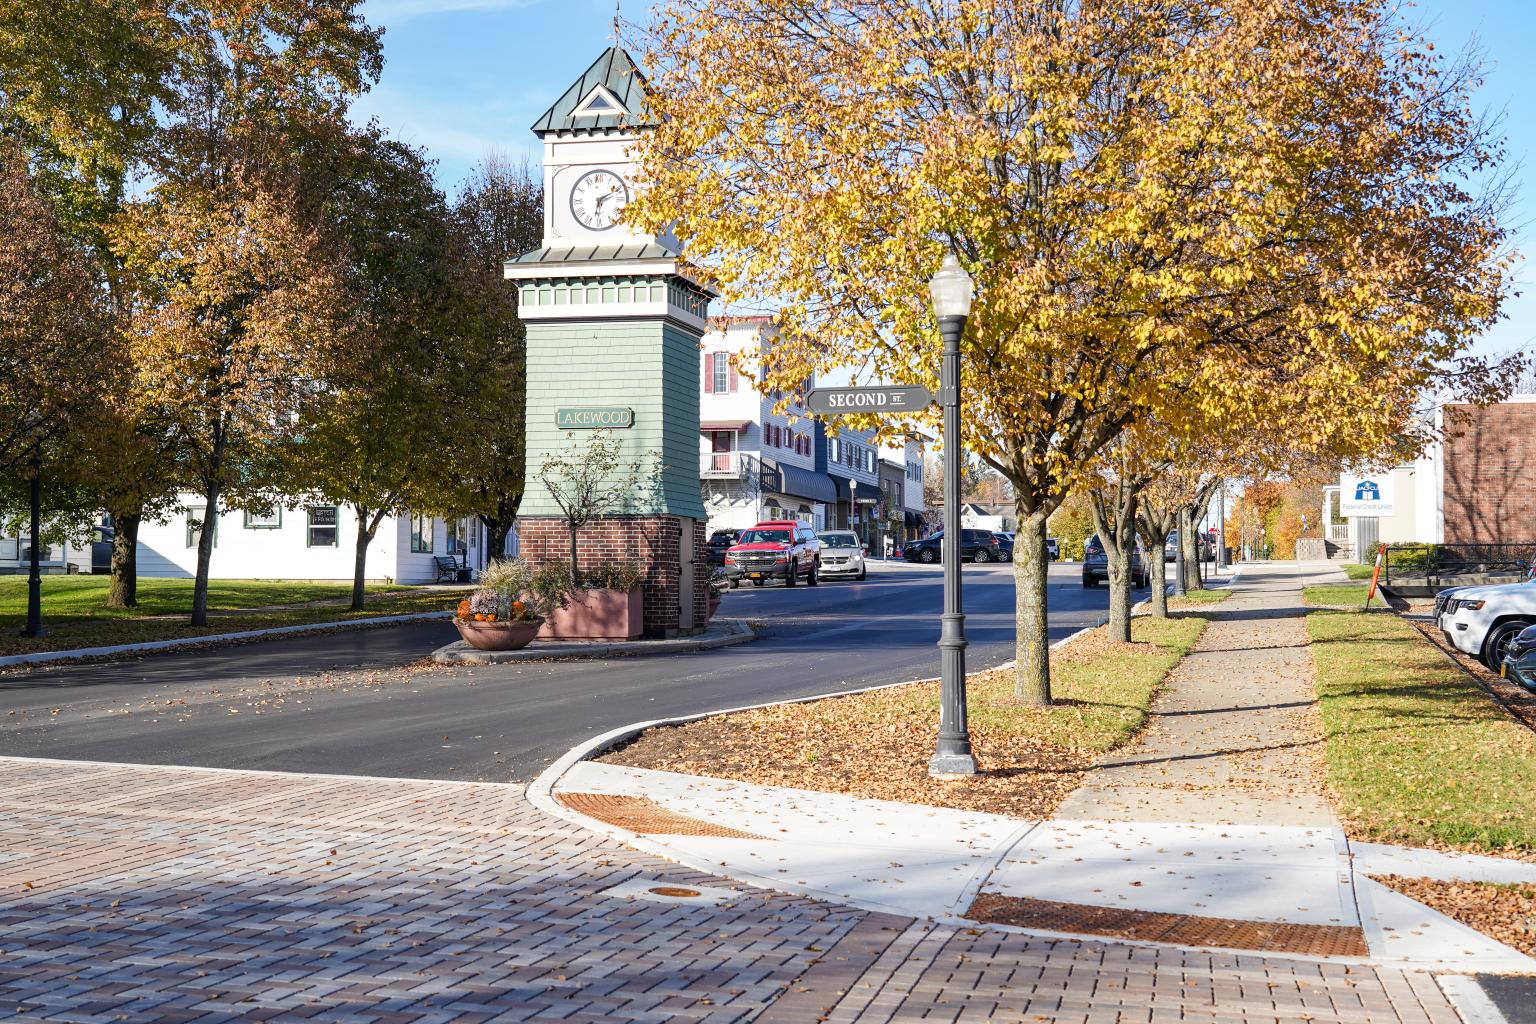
673	890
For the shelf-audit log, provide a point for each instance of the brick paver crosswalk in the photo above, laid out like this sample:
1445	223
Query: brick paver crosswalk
131	893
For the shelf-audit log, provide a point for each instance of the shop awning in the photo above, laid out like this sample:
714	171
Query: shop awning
797	482
914	520
866	494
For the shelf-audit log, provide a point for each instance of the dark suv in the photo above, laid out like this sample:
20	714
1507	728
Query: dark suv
1096	564
719	543
975	546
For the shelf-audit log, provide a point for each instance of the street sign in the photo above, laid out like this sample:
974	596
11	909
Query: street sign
601	418
842	401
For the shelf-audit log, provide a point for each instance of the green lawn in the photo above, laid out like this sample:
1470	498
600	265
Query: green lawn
1416	752
1355	571
74	612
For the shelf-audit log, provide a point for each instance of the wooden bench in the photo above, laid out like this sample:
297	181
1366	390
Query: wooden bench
448	568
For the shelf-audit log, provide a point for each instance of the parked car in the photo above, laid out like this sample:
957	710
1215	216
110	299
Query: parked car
1004	545
842	555
975	546
775	550
719	543
1053	549
1096	564
1520	659
1483	621
1203	542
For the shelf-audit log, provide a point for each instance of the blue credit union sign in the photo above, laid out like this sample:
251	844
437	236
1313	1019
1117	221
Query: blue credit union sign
595	418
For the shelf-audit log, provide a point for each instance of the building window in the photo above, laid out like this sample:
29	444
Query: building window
195	529
272	521
720	380
322	527
10	549
458	537
421	535
834	450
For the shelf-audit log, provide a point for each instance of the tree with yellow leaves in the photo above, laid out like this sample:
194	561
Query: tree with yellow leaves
1155	199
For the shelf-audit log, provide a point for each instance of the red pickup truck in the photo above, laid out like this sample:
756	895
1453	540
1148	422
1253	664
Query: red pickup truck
775	550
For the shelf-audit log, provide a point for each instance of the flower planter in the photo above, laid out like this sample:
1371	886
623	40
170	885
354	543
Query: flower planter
498	636
596	615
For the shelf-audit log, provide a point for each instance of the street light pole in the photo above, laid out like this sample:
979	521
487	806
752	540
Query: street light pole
34	627
1221	528
1179	589
951	291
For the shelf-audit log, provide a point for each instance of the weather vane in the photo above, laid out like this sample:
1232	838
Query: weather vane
617	4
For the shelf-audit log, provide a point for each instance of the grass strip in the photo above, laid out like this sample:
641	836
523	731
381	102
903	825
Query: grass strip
1355	571
876	745
1199	598
1326	594
75	617
1416	752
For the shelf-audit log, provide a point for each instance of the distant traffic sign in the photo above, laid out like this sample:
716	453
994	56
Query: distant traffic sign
840	401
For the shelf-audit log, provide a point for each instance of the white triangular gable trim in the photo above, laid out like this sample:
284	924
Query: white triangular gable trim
599	103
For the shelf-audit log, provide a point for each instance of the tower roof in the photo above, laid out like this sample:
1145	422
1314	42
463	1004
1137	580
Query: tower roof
611	94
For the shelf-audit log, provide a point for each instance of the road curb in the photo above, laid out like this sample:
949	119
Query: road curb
731	633
212	639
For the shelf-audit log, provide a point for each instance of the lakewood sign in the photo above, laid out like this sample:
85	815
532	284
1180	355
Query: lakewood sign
842	401
1367	494
600	418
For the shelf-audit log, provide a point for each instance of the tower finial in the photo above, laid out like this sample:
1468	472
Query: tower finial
617	4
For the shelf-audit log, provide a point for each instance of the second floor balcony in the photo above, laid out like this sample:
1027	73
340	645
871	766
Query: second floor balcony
720	465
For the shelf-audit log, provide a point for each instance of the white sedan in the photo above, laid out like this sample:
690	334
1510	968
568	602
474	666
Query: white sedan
842	555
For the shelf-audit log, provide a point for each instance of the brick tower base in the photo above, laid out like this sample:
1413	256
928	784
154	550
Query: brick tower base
654	541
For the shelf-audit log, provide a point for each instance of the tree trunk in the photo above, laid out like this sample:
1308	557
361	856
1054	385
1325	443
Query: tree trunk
575	565
124	591
365	534
1156	540
496	531
1187	541
1032	665
210	526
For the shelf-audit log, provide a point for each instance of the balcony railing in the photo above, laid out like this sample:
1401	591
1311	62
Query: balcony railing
720	466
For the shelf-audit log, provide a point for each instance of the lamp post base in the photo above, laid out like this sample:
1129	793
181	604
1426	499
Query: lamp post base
956	766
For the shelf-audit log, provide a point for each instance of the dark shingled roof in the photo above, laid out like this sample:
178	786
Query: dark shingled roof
614	71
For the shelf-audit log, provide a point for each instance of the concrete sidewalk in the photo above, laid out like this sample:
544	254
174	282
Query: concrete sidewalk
1212	831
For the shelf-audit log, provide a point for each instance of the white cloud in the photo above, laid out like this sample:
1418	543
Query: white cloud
388	12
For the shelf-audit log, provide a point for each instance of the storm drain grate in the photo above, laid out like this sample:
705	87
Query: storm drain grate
1177	929
644	815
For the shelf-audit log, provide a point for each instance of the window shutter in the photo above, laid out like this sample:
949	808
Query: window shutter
709	373
730	376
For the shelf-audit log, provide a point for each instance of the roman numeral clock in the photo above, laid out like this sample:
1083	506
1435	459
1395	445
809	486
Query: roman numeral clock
613	321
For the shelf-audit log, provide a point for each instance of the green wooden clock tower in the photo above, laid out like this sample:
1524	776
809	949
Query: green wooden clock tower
613	325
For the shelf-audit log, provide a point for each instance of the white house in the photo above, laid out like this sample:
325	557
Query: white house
754	463
16	557
308	541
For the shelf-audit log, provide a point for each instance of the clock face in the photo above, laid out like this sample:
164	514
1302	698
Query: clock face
597	199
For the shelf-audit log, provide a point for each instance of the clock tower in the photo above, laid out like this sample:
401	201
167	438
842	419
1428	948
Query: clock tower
613	321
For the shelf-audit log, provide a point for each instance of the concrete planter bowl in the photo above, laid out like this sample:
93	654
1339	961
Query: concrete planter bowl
597	615
498	636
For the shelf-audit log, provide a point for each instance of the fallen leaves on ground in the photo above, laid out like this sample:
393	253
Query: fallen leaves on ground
877	745
1506	913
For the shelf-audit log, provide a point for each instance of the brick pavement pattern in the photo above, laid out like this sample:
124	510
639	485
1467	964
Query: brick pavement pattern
132	893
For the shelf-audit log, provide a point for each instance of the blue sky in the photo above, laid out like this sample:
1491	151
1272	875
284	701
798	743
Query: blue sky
465	77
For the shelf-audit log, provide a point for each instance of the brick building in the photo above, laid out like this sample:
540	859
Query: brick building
1488	473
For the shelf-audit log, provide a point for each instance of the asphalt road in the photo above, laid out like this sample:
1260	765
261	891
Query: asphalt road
354	703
